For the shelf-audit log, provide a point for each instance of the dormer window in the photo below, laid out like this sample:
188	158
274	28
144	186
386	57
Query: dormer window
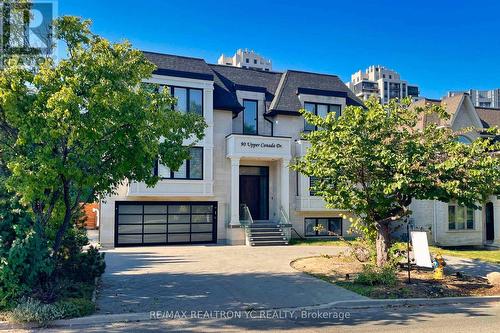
250	113
320	110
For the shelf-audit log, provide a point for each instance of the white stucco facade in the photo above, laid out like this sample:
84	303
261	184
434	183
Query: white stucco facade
225	150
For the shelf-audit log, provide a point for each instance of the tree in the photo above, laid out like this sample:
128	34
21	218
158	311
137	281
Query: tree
374	161
73	130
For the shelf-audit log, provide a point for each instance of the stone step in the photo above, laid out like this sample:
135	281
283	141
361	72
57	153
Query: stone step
265	228
267	238
269	243
266	233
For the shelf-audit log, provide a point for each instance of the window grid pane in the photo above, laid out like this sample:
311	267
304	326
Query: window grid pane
250	117
196	163
196	101
181	95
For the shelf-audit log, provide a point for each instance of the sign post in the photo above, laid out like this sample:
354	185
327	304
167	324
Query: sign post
408	248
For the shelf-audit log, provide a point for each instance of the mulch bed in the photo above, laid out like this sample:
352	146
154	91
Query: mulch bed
343	270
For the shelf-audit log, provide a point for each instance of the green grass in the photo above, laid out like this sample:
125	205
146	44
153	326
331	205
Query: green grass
492	256
358	288
318	242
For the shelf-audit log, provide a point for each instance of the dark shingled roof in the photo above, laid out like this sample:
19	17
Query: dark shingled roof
281	89
174	65
489	116
235	78
294	83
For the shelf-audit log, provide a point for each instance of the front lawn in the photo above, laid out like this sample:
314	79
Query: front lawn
492	256
350	274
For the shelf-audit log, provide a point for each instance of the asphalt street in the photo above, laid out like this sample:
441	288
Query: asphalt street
468	318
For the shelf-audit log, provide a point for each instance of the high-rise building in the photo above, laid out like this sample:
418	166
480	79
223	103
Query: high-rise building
381	82
246	59
481	98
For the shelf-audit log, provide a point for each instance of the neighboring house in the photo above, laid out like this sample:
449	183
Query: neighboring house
452	225
253	132
481	98
381	82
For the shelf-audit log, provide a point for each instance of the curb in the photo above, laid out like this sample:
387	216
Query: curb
364	304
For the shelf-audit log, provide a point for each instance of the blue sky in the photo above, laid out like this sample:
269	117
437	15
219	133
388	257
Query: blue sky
440	45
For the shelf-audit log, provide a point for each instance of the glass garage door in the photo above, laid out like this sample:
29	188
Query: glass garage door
161	223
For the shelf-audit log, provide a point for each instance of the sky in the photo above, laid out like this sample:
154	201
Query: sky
439	45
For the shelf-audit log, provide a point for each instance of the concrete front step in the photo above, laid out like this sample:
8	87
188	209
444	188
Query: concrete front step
263	238
266	234
268	243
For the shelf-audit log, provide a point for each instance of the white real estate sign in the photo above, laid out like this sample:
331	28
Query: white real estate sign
421	249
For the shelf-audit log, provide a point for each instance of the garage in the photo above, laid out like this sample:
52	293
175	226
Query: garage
164	223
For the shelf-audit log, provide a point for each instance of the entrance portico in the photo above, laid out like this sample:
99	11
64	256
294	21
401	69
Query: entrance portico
245	150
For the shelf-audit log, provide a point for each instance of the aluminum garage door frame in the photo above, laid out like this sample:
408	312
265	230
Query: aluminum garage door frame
169	222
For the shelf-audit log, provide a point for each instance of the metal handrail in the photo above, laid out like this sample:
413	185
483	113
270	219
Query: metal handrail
245	215
283	217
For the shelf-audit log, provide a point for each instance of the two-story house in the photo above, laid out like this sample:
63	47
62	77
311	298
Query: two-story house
239	173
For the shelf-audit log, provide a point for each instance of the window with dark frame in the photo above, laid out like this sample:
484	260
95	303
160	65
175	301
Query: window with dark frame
460	217
321	110
250	114
312	183
188	99
191	168
331	226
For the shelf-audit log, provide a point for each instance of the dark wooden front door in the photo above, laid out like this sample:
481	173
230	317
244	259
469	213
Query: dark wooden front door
254	191
249	194
490	229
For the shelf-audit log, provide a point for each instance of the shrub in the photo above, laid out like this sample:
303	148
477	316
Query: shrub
76	307
24	260
31	310
76	264
372	276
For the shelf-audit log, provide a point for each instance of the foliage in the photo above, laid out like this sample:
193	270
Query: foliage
77	128
24	256
372	275
374	161
32	310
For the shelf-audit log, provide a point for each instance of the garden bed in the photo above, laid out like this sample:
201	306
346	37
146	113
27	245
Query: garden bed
342	270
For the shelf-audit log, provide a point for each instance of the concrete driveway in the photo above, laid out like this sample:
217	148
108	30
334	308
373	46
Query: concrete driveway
212	278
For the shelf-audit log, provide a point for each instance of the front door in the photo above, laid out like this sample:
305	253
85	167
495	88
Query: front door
490	231
254	191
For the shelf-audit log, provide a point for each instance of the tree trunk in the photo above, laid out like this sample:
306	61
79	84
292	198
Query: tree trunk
383	243
67	217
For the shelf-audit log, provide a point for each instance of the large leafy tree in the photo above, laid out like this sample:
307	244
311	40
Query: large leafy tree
374	161
75	129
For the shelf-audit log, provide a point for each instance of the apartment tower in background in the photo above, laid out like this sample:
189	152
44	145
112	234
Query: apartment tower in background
481	98
381	82
246	59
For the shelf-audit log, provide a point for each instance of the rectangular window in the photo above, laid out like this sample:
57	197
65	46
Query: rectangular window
312	183
191	168
250	113
323	226
188	99
460	217
320	110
